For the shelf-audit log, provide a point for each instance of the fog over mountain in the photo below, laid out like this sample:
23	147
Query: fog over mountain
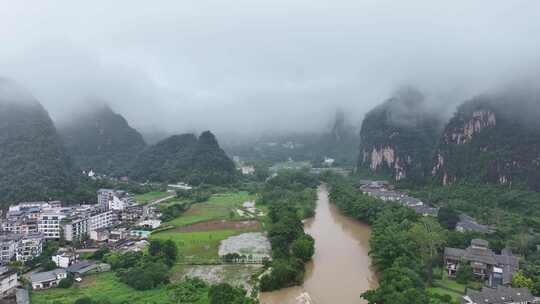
248	67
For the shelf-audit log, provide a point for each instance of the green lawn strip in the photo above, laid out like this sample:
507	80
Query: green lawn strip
148	197
447	283
104	286
441	291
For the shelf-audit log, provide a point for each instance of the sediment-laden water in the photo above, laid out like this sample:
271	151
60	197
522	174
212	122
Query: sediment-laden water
341	268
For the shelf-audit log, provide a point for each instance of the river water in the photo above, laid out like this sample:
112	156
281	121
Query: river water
340	270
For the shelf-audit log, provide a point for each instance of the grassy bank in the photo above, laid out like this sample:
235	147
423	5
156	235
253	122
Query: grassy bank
104	286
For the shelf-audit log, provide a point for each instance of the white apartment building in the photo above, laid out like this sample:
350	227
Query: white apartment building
29	247
20	225
22	247
104	196
65	259
8	248
101	220
117	203
75	228
49	222
114	199
8	280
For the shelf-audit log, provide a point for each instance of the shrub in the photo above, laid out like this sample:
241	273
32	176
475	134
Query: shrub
65	283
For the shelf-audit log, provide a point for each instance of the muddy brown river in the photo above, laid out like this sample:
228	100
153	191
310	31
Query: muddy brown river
341	268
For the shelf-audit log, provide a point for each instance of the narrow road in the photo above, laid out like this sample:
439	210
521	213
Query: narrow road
161	200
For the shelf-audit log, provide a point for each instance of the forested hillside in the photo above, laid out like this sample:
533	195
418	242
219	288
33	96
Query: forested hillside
492	139
398	137
185	158
103	141
33	163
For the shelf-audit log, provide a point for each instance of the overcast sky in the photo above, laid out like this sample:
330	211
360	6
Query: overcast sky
254	65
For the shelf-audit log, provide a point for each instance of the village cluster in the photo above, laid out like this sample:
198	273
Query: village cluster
496	270
116	220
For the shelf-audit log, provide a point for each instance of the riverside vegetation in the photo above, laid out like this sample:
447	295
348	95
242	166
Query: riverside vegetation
290	196
406	249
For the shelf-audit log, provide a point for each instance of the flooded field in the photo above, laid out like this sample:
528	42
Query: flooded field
237	275
254	244
341	268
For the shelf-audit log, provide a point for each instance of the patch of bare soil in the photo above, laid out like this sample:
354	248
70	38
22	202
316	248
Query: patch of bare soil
219	225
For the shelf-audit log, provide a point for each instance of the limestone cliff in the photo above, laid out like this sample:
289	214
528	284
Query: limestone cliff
491	139
398	137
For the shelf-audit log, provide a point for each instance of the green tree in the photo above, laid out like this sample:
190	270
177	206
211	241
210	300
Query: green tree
84	300
154	248
65	283
226	294
464	274
48	265
169	251
187	291
398	286
519	280
303	247
430	238
448	217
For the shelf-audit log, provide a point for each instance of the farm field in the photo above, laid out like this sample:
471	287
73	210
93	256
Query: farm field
197	233
219	206
148	197
200	246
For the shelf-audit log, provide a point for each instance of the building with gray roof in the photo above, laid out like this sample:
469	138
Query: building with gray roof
496	269
499	295
47	279
469	224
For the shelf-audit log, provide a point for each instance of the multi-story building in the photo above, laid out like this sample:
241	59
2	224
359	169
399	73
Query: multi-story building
131	214
101	220
29	247
20	247
495	269
114	199
8	279
8	248
49	222
65	258
19	223
75	227
104	196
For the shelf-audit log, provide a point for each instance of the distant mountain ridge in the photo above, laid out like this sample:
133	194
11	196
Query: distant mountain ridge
491	139
33	162
102	140
185	158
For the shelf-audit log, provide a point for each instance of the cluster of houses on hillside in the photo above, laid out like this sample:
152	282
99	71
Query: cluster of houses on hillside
116	219
384	191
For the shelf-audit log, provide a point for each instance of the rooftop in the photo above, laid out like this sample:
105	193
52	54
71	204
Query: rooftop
501	295
46	275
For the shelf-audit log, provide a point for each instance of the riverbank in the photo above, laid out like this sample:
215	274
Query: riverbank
341	267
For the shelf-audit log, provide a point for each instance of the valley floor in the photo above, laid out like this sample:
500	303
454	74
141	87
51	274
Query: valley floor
197	233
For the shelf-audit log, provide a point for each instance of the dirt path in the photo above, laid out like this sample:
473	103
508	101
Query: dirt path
161	200
219	225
